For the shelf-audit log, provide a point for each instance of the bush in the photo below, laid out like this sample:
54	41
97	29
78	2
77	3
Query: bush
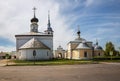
106	58
8	56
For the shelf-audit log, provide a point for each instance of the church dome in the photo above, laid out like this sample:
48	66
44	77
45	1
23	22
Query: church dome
79	38
98	47
83	45
34	19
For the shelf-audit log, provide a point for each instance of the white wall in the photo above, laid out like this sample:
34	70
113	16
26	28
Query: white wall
41	54
47	40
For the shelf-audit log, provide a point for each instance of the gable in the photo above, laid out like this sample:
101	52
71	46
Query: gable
34	44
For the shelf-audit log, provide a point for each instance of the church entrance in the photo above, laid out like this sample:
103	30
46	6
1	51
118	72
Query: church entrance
59	55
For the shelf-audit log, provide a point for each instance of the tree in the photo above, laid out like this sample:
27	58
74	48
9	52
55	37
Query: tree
109	47
7	56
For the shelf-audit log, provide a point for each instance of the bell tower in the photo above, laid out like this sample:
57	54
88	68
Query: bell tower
34	21
49	28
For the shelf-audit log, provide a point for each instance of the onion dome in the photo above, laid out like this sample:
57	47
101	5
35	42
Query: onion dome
79	38
34	19
78	32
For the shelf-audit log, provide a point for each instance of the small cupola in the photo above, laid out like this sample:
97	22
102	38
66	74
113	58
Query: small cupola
97	47
34	19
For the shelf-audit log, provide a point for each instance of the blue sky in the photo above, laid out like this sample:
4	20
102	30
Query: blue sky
98	19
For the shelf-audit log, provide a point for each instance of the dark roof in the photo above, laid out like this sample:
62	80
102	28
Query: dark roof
33	34
34	19
98	47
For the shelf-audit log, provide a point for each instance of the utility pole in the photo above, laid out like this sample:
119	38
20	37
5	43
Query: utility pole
34	52
111	54
119	50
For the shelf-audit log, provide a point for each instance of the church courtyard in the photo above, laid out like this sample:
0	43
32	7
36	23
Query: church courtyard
83	72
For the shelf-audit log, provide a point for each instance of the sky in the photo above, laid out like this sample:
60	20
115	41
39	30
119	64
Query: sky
98	19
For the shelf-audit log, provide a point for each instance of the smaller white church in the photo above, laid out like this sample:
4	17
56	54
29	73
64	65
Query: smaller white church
80	48
35	45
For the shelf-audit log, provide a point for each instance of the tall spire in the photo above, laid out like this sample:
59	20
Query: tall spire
49	25
49	29
78	32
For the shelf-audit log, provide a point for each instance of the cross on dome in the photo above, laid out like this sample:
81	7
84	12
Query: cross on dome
34	19
34	9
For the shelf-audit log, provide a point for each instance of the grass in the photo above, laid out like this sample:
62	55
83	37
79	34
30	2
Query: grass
52	62
57	62
114	61
107	59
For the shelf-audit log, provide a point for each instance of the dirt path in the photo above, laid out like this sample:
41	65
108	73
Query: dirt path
84	72
5	62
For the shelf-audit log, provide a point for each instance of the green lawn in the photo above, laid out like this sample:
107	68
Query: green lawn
53	62
57	62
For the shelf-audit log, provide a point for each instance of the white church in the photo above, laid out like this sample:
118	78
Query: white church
35	45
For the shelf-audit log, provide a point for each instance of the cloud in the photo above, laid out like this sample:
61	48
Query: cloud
7	48
93	18
16	17
89	3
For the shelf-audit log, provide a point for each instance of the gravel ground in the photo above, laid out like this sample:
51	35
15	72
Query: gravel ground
83	72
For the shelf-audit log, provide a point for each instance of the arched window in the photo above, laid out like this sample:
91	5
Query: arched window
98	54
85	54
34	53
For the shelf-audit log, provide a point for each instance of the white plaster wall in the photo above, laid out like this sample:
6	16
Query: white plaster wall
41	54
47	40
69	51
27	54
21	41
